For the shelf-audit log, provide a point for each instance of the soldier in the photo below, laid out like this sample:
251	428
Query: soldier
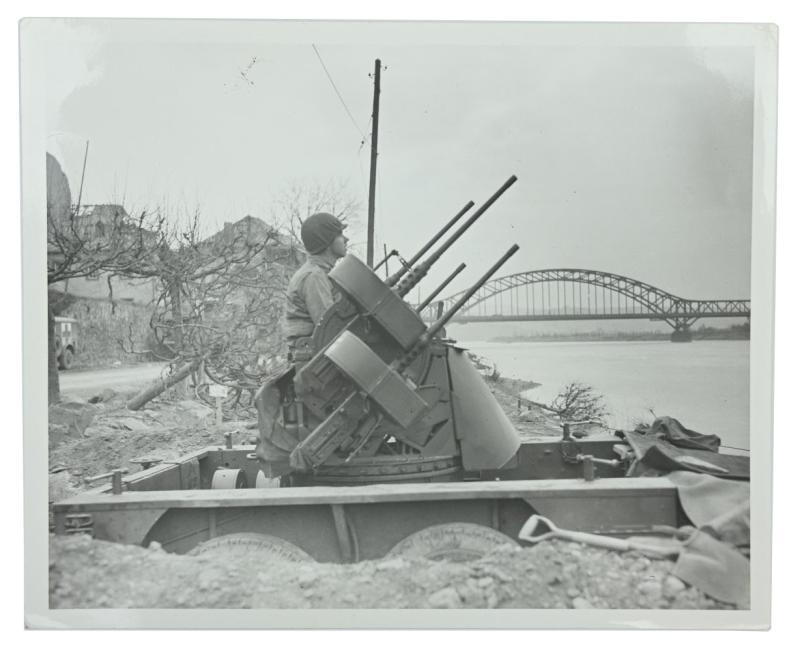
310	291
309	295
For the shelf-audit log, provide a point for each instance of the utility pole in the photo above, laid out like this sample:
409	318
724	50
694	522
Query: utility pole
373	163
83	173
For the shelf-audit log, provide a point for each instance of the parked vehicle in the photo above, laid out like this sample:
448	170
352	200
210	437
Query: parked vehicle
66	340
218	500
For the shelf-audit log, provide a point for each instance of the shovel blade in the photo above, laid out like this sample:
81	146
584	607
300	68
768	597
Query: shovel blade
715	568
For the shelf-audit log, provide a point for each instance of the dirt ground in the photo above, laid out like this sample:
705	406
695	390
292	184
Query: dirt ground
87	439
86	573
91	438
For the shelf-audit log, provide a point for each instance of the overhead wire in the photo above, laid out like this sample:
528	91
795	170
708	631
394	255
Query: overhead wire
335	89
358	169
358	157
360	131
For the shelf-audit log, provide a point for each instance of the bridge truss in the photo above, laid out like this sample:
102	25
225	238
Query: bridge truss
582	294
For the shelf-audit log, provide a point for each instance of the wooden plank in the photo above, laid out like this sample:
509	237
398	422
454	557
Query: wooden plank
342	536
368	494
212	522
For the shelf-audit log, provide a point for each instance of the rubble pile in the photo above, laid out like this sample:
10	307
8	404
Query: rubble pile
86	573
91	437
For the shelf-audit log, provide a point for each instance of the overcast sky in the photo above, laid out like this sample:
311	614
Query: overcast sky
633	160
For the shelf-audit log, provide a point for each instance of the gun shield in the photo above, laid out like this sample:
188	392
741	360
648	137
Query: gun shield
374	298
399	401
488	439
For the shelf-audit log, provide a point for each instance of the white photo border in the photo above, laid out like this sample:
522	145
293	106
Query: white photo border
763	40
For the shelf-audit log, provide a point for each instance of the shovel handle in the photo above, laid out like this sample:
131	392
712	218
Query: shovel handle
595	540
526	533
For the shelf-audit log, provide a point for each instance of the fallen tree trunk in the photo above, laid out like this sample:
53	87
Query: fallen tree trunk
162	383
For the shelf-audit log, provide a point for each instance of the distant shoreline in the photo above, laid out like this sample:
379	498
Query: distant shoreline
733	333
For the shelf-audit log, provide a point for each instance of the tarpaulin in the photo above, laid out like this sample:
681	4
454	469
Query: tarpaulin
671	430
721	506
710	560
659	454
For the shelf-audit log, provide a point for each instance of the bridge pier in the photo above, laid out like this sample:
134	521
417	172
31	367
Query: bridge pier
681	335
681	330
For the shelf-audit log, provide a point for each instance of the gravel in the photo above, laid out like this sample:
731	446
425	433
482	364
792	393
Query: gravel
88	573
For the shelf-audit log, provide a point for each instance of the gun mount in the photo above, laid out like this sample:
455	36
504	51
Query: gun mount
378	398
375	386
385	402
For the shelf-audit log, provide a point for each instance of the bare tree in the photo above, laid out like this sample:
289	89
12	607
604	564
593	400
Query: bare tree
220	298
85	245
220	303
577	402
299	200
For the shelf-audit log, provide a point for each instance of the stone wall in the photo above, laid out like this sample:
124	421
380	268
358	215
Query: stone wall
101	327
139	291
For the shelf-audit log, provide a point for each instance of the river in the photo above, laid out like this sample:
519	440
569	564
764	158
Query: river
704	384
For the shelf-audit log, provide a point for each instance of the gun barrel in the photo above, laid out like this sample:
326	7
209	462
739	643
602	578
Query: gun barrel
406	266
403	362
444	284
442	321
393	252
419	273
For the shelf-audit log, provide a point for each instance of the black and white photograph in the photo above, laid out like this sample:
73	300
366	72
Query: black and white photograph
353	317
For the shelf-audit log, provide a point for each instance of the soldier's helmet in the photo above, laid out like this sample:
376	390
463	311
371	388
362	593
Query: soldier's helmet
320	230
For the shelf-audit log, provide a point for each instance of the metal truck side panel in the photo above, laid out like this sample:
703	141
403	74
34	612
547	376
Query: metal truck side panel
339	524
309	527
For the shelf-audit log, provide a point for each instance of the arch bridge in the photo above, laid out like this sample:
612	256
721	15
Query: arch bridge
583	294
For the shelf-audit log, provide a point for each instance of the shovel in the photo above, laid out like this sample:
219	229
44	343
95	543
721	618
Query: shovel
711	566
654	547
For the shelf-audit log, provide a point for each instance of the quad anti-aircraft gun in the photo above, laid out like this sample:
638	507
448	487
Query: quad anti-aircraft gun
377	398
375	394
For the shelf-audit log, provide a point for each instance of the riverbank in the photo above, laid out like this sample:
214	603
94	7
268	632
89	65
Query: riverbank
530	419
705	385
702	333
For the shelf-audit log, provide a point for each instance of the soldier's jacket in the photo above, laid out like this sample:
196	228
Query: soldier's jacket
309	294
